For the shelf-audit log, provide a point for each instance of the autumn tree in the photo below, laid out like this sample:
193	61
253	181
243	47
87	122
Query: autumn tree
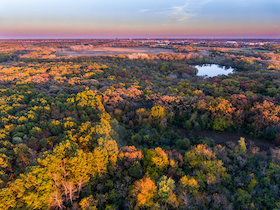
204	165
144	192
263	115
155	161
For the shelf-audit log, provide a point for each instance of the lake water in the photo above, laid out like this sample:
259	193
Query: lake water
212	70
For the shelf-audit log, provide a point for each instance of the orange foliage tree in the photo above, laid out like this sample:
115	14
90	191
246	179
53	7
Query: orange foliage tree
263	115
144	191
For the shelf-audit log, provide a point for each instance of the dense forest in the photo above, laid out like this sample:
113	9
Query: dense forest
111	132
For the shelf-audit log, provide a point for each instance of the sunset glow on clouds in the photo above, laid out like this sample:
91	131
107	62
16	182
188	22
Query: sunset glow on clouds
157	18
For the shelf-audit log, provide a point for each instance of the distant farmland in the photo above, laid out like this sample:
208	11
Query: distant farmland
113	51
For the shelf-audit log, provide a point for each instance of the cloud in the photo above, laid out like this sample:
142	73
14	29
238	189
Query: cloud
144	10
186	11
181	13
171	14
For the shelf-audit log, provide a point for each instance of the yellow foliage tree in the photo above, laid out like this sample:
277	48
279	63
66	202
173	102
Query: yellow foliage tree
144	191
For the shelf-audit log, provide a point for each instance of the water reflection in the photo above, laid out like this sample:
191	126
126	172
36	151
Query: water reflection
212	70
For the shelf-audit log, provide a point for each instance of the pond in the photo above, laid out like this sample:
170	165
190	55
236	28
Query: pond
212	70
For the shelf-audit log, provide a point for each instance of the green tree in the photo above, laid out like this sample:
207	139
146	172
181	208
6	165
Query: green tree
242	145
166	187
155	161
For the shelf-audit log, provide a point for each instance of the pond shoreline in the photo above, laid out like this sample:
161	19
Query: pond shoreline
212	70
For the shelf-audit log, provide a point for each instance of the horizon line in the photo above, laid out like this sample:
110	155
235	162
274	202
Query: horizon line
141	38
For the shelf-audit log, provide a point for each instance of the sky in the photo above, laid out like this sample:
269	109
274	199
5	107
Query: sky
139	19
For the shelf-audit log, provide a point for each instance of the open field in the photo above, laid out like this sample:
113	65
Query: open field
113	51
247	50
